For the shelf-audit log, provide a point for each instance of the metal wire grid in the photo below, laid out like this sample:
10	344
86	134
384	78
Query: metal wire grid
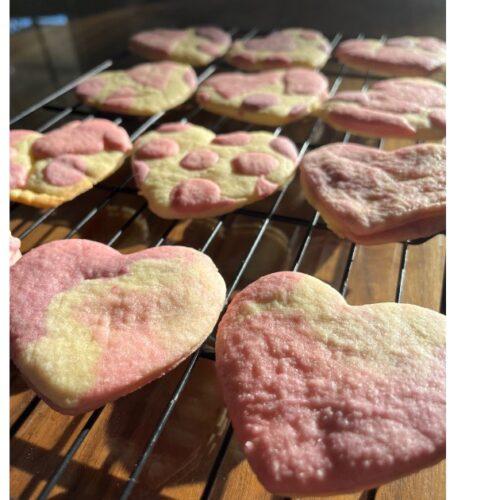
264	218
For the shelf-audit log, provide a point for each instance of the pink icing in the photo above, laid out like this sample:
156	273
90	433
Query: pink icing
209	48
233	139
199	159
254	163
64	170
90	88
18	175
229	85
216	35
438	117
162	41
194	195
17	135
120	100
275	42
308	421
154	75
284	146
83	138
305	82
174	127
278	60
243	59
264	188
190	78
259	101
158	148
298	110
140	169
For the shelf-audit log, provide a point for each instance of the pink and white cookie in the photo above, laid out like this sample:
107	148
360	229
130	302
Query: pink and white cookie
327	398
186	171
371	196
90	325
281	49
143	90
14	249
402	56
413	108
49	169
269	98
195	46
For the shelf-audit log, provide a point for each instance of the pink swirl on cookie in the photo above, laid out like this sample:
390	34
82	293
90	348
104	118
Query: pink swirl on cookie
160	147
233	139
305	82
152	75
120	100
199	159
65	170
254	163
193	195
140	169
84	138
265	188
229	85
278	41
174	127
259	101
90	88
214	34
285	146
163	41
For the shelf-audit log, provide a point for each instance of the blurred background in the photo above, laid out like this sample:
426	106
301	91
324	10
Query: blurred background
53	42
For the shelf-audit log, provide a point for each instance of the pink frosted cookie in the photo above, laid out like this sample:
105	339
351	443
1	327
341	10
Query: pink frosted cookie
371	196
401	108
186	171
14	249
267	98
143	90
89	325
195	46
281	49
49	169
327	398
403	56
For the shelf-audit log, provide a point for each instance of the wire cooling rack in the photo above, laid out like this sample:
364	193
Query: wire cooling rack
61	106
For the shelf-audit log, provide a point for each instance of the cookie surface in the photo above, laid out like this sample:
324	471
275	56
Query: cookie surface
49	169
267	98
401	108
89	325
371	196
14	249
402	56
328	398
143	90
186	171
281	49
195	46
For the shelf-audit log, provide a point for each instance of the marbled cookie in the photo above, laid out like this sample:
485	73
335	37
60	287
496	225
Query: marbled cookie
143	90
195	46
281	49
89	325
411	108
14	249
327	398
186	171
402	56
371	196
269	98
49	169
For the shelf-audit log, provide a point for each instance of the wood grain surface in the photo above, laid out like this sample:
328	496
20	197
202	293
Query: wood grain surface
184	455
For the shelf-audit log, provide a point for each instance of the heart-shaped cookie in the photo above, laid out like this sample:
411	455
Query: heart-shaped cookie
47	170
143	90
195	46
402	108
281	49
267	98
186	171
402	56
327	398
89	325
372	196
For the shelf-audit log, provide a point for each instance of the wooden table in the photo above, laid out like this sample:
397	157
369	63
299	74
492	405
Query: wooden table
265	237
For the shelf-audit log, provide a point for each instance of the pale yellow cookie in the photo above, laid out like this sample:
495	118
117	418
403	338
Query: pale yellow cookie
281	49
143	90
195	46
47	170
269	98
186	171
